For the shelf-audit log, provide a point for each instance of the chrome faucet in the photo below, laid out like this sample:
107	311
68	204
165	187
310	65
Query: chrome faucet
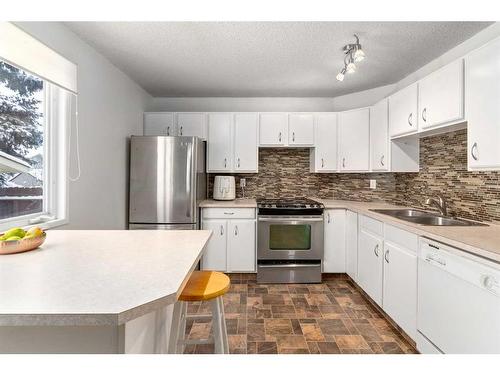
440	203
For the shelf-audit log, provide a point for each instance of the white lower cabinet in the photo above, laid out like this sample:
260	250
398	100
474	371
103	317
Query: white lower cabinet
351	244
232	246
370	266
241	246
400	287
387	270
334	259
214	257
400	278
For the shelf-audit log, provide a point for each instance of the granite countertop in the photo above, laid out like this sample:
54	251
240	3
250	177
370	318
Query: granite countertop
482	241
97	277
237	203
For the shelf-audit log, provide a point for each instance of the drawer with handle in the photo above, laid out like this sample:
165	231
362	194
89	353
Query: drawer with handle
228	213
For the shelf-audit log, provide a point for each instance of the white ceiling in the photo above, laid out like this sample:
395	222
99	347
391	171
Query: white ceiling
190	59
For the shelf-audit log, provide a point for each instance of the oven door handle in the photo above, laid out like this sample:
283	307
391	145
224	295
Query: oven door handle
291	219
291	265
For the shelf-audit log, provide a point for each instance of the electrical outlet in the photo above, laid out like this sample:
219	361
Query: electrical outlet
373	184
243	182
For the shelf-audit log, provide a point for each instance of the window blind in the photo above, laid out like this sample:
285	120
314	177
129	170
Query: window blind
21	49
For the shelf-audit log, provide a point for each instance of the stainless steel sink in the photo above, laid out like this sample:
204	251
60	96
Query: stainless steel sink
426	218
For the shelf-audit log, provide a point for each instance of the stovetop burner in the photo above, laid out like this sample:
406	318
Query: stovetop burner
288	203
289	206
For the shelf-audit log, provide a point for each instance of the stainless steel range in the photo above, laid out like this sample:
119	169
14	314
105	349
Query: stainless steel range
290	241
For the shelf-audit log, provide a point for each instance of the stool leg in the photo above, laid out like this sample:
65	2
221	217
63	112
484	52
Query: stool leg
224	328
182	333
217	326
174	331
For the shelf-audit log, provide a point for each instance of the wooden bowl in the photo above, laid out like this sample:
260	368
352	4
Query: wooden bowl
20	246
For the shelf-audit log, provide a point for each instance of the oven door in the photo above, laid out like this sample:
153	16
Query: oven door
290	237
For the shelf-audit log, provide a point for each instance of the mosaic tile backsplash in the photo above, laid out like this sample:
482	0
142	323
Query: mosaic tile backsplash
284	173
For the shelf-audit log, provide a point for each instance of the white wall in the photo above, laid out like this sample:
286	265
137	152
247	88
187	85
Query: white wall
110	107
230	104
259	104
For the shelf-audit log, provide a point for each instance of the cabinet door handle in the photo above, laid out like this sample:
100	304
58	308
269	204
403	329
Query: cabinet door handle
473	154
293	137
386	256
328	218
228	213
375	250
410	119
221	230
382	160
343	162
238	162
180	131
225	162
168	130
235	230
424	114
322	163
279	137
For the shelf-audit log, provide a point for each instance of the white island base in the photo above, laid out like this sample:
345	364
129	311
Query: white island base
147	334
96	291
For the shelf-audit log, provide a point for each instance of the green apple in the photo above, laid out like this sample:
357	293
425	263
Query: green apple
14	232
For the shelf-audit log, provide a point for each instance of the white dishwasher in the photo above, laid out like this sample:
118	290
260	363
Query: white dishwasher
458	301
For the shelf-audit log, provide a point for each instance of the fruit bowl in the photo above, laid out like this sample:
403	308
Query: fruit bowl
22	245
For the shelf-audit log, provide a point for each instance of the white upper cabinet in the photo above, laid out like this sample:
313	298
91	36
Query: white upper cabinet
159	123
323	157
246	142
441	96
354	140
403	117
483	107
191	124
220	127
379	137
273	129
301	129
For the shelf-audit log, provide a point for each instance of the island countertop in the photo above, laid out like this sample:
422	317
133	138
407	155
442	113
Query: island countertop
97	277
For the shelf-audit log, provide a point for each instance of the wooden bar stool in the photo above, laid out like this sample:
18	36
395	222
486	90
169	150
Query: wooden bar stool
201	286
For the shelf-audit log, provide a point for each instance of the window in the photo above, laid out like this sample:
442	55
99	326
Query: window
31	148
22	121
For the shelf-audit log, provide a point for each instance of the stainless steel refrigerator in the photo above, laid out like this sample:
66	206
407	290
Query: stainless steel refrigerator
167	182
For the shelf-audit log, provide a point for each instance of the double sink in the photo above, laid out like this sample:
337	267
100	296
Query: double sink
426	218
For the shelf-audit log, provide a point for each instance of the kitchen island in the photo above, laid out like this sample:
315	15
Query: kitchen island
95	291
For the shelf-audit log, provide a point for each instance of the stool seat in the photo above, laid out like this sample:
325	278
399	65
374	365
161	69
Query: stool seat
204	286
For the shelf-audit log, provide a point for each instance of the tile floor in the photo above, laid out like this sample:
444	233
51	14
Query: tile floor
328	318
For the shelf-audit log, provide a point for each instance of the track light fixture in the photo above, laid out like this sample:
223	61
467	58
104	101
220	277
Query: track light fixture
353	54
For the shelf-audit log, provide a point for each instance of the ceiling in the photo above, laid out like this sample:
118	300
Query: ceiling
240	59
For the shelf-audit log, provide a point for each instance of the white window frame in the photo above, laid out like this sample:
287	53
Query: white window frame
59	112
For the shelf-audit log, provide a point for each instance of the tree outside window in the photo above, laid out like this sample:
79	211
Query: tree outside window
21	136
